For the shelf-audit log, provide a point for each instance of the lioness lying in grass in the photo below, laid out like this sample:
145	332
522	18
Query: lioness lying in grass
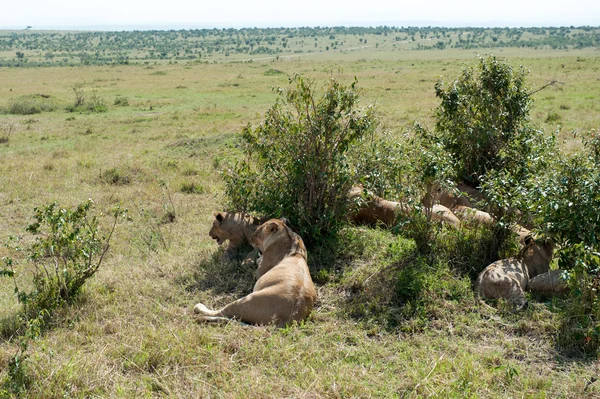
284	291
508	278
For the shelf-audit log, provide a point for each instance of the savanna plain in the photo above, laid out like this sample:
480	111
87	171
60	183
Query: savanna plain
168	131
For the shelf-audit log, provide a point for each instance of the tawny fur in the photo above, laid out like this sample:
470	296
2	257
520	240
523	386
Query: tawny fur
237	228
375	210
284	291
461	204
548	284
508	278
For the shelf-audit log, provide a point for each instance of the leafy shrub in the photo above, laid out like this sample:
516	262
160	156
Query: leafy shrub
31	104
67	250
568	211
483	122
296	163
95	104
481	115
121	101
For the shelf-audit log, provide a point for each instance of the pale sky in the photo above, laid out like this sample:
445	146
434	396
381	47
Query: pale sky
182	14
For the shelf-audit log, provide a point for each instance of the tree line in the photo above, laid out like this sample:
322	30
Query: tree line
42	48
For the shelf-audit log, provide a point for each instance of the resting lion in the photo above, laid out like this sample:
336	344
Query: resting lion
284	291
376	210
237	228
508	278
461	205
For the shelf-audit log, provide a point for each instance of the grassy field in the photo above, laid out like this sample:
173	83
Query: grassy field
131	333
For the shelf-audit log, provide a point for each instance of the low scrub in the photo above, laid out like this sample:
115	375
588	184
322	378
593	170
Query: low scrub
31	104
67	249
93	104
115	177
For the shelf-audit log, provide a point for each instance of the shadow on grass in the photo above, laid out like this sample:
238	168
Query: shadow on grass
218	278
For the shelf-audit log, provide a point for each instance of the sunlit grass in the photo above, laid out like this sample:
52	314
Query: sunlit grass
132	334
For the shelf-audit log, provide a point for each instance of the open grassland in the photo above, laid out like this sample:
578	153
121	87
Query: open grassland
159	150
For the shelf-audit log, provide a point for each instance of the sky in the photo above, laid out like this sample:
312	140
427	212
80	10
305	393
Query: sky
191	14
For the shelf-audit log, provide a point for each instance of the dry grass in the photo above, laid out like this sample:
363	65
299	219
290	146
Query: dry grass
132	334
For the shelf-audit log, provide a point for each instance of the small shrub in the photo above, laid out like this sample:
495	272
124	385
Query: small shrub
553	117
95	104
568	206
121	101
115	177
481	113
6	130
67	250
273	72
192	188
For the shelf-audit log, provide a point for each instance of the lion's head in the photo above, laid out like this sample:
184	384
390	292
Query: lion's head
276	233
235	227
536	255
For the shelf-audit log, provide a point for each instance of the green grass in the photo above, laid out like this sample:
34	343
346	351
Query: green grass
387	323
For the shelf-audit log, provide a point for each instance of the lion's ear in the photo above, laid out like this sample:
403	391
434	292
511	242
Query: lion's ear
285	221
219	216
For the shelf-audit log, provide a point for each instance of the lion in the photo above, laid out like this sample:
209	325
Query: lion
549	283
284	291
237	228
461	205
508	278
378	211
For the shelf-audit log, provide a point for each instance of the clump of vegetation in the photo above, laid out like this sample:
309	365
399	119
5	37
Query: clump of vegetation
6	130
94	104
31	104
299	154
273	72
568	210
553	117
483	122
67	250
481	114
121	101
116	177
192	188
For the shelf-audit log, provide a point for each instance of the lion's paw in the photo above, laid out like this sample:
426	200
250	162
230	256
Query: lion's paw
201	309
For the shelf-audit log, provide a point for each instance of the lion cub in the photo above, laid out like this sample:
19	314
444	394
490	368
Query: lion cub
284	291
237	228
508	278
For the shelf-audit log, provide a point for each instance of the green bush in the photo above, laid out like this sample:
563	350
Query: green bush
116	177
483	122
95	104
297	159
484	112
122	101
568	210
31	104
67	249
